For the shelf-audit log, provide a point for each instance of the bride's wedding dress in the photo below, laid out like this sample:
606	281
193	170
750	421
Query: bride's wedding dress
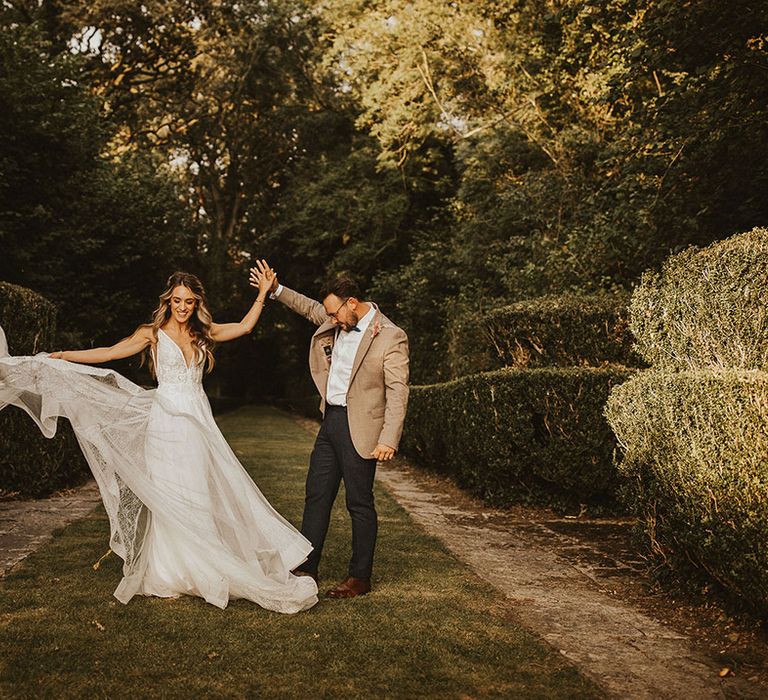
185	516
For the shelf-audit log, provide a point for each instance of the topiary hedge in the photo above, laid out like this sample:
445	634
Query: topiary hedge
515	435
28	318
31	465
696	471
469	346
707	307
560	331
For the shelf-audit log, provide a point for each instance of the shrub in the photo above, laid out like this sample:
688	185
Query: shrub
562	331
469	346
696	471
31	465
29	320
707	307
520	435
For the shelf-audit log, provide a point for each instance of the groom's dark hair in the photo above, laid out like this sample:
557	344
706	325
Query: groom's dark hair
343	287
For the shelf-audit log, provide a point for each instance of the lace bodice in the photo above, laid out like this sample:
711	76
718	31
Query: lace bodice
171	367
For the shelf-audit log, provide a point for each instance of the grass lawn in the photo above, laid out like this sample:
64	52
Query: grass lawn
430	628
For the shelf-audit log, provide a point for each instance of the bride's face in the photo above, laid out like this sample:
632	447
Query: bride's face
182	304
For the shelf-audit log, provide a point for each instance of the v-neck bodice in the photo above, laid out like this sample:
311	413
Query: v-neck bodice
171	366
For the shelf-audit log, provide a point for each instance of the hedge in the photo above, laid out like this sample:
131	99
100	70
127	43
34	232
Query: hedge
470	349
513	435
29	320
561	331
706	307
31	465
696	472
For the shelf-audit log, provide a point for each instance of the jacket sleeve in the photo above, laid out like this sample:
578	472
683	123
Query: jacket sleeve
396	390
304	306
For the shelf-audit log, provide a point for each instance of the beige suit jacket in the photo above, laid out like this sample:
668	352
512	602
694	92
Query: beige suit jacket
377	396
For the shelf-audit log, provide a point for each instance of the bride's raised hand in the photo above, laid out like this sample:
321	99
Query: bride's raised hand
262	269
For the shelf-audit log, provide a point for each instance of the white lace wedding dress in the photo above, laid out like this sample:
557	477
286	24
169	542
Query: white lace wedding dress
185	516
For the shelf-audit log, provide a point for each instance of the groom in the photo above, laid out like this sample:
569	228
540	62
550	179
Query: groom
358	360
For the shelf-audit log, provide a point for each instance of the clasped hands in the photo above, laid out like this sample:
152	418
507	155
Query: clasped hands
263	276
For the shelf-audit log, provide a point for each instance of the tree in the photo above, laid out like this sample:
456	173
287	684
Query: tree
95	235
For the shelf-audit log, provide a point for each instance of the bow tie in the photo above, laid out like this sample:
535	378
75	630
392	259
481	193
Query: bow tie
354	328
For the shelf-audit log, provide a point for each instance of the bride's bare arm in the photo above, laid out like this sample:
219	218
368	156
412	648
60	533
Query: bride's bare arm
131	345
222	332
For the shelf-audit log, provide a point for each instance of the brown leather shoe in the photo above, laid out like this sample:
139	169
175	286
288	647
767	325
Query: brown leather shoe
299	572
349	588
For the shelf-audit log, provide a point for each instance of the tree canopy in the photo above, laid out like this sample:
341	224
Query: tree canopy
455	156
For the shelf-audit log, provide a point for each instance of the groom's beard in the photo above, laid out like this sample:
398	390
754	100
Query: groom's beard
350	323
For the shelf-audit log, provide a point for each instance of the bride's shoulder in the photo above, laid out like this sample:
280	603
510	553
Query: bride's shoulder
145	332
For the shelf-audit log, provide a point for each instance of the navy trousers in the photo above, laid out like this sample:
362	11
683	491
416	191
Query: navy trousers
334	458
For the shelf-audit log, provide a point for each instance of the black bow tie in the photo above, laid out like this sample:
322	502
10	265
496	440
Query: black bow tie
354	328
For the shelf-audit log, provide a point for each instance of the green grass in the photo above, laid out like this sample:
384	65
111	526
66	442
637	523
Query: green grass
431	628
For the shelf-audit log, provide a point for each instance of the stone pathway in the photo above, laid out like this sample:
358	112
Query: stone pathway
26	525
562	589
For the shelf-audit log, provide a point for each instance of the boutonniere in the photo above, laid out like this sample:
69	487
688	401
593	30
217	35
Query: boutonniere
377	326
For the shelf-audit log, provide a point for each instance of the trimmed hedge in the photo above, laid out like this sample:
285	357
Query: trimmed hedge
514	435
560	331
31	465
707	307
470	349
29	320
696	472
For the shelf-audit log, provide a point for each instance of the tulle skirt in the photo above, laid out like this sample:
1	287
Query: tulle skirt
185	517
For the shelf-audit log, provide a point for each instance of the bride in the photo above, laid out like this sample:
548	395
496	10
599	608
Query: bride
185	517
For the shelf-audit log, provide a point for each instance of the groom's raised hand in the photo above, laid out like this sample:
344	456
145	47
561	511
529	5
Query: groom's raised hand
262	269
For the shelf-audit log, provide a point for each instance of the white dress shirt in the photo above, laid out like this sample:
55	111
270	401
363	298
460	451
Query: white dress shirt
343	357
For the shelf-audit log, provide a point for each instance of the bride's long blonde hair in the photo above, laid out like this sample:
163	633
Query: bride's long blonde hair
199	323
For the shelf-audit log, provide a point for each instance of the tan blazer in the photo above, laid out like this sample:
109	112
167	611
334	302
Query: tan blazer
377	396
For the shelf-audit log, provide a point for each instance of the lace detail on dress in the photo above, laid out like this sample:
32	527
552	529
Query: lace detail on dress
171	367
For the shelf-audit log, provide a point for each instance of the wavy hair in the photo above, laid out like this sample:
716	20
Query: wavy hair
199	323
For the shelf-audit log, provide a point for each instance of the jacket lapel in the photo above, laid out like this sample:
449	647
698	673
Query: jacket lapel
321	349
324	328
365	344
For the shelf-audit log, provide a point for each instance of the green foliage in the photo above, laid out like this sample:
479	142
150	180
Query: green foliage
696	472
28	319
562	331
470	349
520	435
31	465
454	155
99	237
706	308
584	136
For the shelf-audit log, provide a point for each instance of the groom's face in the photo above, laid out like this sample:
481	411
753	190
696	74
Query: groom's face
342	312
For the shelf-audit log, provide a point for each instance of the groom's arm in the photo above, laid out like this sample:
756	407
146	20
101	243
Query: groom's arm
396	370
306	307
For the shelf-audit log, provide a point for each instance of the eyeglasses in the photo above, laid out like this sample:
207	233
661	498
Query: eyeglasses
334	314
